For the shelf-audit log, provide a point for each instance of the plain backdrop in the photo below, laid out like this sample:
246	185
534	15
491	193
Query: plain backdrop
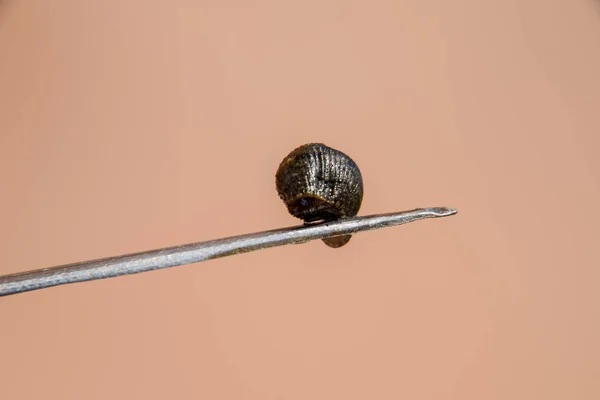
130	125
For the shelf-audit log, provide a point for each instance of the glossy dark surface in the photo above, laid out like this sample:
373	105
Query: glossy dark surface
319	183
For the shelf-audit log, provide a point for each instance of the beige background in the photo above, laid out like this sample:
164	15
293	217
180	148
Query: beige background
131	125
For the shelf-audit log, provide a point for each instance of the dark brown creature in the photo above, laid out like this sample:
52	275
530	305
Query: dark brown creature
318	183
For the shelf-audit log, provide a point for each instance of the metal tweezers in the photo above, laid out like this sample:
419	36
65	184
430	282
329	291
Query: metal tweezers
203	251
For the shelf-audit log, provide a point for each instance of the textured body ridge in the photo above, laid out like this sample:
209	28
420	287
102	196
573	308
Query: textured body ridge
318	183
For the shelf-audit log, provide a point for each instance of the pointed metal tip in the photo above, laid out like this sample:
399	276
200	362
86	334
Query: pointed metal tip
203	251
448	211
441	211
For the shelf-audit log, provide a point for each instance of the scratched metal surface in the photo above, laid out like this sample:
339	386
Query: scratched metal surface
202	251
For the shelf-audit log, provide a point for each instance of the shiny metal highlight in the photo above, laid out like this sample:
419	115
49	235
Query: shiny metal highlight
202	251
